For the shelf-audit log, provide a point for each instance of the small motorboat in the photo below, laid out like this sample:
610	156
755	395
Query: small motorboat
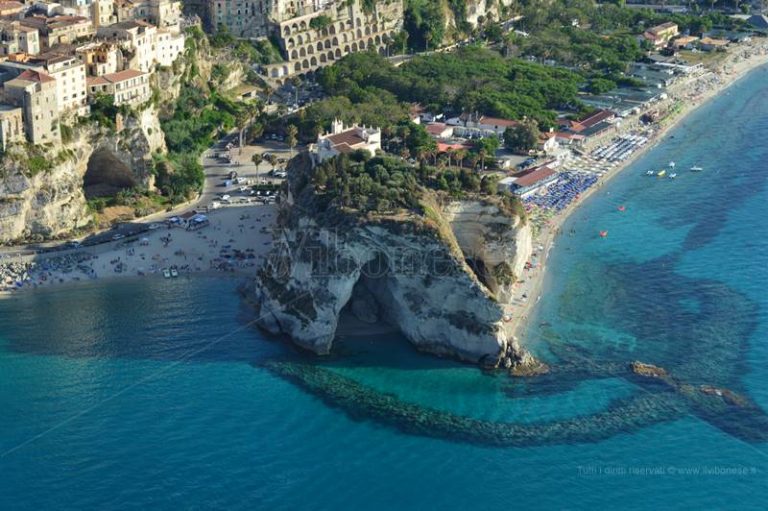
672	176
696	168
622	208
166	273
603	234
671	164
661	173
650	173
174	272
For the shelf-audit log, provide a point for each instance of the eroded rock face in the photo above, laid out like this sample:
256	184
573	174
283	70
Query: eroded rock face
51	202
416	282
413	268
498	244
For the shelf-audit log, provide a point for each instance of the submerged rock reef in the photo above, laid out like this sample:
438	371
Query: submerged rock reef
440	276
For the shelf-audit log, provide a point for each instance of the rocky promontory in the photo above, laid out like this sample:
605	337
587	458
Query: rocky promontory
439	270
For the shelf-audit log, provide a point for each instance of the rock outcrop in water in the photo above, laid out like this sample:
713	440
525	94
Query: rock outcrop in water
412	270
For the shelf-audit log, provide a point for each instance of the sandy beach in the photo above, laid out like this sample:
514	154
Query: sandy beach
235	242
689	94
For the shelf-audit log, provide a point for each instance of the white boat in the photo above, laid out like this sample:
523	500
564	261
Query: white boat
649	173
174	272
672	176
696	168
166	273
671	164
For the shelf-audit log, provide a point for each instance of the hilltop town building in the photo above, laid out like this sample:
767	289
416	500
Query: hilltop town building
55	30
129	87
311	33
345	140
18	38
34	92
660	35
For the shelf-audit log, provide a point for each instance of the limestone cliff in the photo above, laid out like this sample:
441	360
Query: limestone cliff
41	188
409	269
470	14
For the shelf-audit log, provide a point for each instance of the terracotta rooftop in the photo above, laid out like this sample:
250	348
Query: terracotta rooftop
664	26
349	137
532	176
32	75
9	6
592	119
436	128
495	121
45	23
126	25
114	77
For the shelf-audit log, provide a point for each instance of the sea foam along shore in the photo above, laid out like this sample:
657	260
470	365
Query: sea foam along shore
235	241
689	94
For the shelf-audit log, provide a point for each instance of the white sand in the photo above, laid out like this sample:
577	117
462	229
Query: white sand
244	233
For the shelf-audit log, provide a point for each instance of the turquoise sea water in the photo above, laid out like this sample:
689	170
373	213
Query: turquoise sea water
153	394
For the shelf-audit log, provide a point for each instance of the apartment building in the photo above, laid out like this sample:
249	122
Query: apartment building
100	58
18	38
147	44
34	92
11	10
55	30
103	13
69	73
129	87
164	14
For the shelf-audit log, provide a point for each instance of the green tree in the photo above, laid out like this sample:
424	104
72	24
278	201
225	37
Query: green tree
245	115
257	159
522	138
487	147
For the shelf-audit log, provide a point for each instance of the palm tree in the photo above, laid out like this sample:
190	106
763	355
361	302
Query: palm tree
292	131
473	159
255	131
460	155
257	159
449	153
245	116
